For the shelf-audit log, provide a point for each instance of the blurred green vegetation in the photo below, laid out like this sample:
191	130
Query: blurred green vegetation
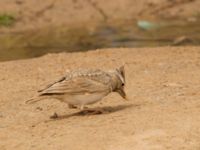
6	20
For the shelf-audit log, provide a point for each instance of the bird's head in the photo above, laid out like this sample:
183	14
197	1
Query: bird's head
120	84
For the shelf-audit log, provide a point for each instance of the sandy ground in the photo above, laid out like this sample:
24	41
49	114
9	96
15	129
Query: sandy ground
162	112
34	14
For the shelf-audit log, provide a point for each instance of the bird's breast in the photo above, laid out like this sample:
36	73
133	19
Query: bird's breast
84	99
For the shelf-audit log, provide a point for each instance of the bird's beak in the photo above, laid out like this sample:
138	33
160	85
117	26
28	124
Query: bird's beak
122	93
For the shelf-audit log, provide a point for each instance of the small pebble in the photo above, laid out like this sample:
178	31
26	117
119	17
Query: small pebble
54	116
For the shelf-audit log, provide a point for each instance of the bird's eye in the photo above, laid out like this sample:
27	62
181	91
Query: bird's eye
122	84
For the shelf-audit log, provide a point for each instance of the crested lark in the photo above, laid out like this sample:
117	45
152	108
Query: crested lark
84	87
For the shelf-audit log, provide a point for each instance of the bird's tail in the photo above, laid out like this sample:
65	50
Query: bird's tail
34	99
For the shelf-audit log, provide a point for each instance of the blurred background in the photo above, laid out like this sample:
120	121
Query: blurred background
32	28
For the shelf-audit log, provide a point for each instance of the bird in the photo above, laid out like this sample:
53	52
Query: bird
83	87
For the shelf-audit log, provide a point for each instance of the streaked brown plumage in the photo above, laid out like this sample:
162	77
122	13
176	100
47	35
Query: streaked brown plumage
84	86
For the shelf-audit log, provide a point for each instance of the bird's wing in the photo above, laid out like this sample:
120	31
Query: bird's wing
49	85
76	85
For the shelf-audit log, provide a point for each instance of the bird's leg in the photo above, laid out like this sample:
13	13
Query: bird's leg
82	107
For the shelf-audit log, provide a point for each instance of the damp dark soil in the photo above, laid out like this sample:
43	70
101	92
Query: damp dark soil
132	33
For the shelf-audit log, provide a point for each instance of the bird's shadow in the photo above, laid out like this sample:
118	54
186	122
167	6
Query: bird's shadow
95	111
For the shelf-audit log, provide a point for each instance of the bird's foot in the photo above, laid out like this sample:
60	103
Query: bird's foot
93	111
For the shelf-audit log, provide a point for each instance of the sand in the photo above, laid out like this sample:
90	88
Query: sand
162	113
37	14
